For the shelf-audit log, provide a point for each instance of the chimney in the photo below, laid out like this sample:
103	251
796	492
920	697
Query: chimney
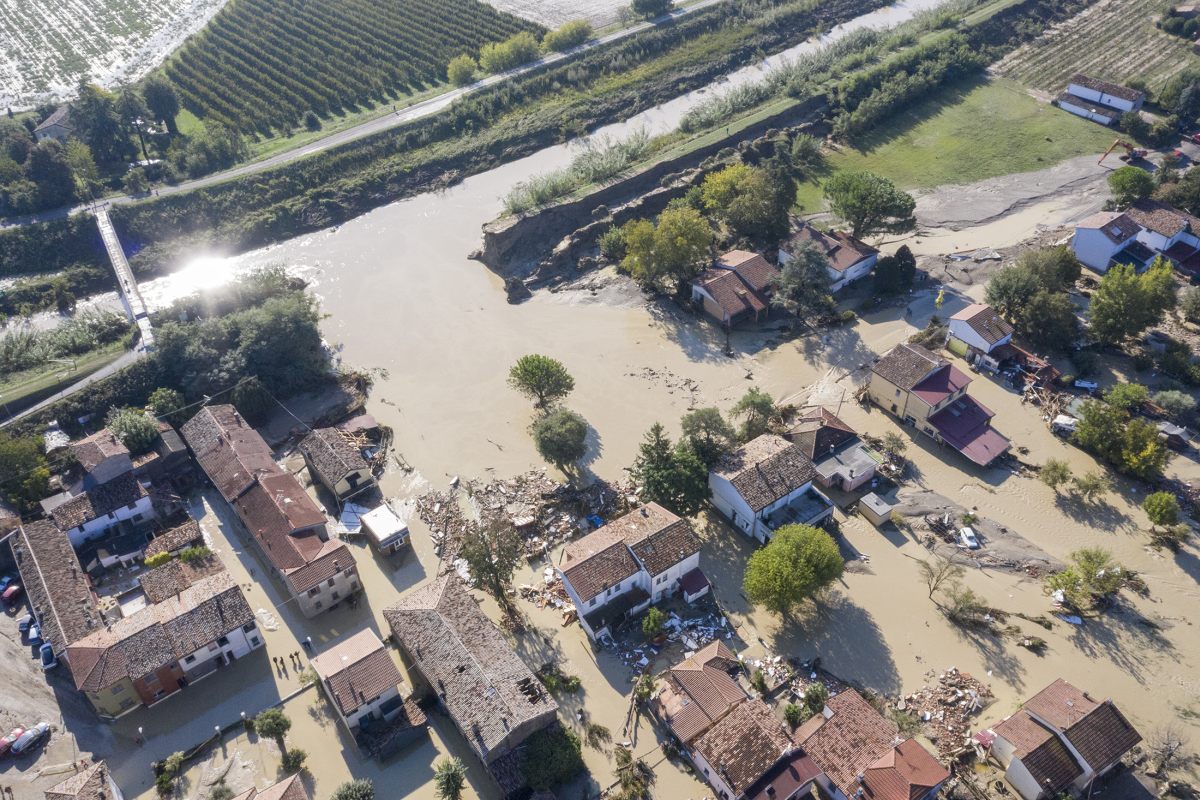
645	513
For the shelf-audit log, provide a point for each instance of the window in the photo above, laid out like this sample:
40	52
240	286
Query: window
348	571
336	597
132	505
317	604
248	627
331	583
223	641
137	517
354	586
151	679
314	591
592	602
212	647
897	393
190	660
120	687
254	641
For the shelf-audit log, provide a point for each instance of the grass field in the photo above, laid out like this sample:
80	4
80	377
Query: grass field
967	134
23	389
1114	40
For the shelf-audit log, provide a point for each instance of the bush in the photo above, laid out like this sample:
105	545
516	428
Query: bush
650	9
157	560
1162	508
518	49
136	430
793	715
759	681
361	789
1178	405
568	35
312	122
461	70
190	554
653	622
612	243
272	723
165	784
552	757
293	760
561	437
166	404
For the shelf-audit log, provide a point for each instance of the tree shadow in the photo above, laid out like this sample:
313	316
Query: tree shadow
1122	636
845	637
1096	515
1188	561
996	657
841	346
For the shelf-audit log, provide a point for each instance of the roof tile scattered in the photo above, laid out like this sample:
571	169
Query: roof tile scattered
331	455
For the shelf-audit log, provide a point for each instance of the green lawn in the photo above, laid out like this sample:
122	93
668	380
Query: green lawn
966	134
23	389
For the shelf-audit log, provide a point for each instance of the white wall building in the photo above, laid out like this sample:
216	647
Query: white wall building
1113	95
360	679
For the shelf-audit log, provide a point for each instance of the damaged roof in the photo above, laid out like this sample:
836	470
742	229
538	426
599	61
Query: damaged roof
766	469
229	450
331	455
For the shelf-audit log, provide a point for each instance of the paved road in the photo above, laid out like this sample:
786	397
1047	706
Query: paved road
415	111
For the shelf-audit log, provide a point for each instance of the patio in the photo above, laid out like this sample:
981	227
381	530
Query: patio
807	508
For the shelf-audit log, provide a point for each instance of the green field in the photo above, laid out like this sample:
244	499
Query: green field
967	134
1115	40
25	388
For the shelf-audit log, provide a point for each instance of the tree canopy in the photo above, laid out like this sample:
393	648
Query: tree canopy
754	409
492	551
1129	184
541	378
895	273
561	437
666	255
753	201
361	789
708	433
1162	508
870	204
449	778
802	286
796	564
137	430
673	477
24	475
1125	304
1131	445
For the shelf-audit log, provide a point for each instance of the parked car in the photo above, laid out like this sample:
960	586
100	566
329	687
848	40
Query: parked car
27	740
7	742
967	538
6	581
46	654
24	622
11	593
35	633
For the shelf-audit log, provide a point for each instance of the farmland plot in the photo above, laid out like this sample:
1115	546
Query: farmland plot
552	13
1113	40
47	45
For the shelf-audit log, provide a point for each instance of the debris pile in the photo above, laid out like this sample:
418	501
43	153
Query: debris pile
808	673
550	593
691	634
545	512
946	708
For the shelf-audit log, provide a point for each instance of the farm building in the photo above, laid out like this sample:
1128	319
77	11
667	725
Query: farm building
1109	95
1087	109
849	259
735	288
57	126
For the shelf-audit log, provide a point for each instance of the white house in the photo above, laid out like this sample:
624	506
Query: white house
617	571
1112	95
1059	740
360	679
1087	109
1144	231
57	126
976	331
766	483
849	259
94	512
386	531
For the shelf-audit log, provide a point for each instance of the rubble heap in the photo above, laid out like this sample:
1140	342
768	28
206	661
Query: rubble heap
946	709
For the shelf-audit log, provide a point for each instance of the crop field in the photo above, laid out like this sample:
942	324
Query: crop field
1113	40
968	133
553	13
47	45
262	65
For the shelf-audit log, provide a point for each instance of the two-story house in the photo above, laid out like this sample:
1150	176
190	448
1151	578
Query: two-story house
849	259
1060	740
336	463
1136	236
360	680
737	287
930	393
285	523
766	483
976	332
615	572
840	458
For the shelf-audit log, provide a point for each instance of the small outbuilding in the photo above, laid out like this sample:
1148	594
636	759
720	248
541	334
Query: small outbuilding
876	509
336	463
385	530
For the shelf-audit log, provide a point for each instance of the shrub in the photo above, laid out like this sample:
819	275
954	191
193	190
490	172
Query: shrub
1054	473
166	404
190	554
568	35
272	723
449	778
361	789
612	243
164	784
293	760
1177	404
157	560
793	714
514	51
653	622
650	8
136	430
461	70
759	681
552	757
312	122
1162	508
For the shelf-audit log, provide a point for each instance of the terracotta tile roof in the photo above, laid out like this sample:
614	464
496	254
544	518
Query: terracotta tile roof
357	670
905	772
1097	730
178	538
171	578
941	384
906	365
331	455
842	249
95	449
1048	760
789	775
756	271
279	502
332	558
59	591
732	292
984	320
287	789
658	539
61	116
1115	225
819	431
699	691
98	501
487	689
849	741
965	426
1162	218
766	469
229	451
159	634
1114	89
90	784
744	745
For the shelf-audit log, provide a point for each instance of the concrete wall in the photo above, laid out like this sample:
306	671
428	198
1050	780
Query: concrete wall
118	699
667	583
1112	101
1080	111
731	505
711	775
857	272
370	708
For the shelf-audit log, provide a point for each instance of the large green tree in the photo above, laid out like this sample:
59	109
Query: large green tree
1125	304
870	204
1129	184
796	565
24	475
360	789
561	437
492	552
1048	321
162	101
1131	445
541	378
754	409
895	273
752	201
802	286
708	433
673	477
98	122
668	254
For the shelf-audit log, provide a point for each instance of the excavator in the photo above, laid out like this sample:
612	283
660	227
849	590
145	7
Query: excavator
1131	153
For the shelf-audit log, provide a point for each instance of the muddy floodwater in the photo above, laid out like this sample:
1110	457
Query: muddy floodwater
404	301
